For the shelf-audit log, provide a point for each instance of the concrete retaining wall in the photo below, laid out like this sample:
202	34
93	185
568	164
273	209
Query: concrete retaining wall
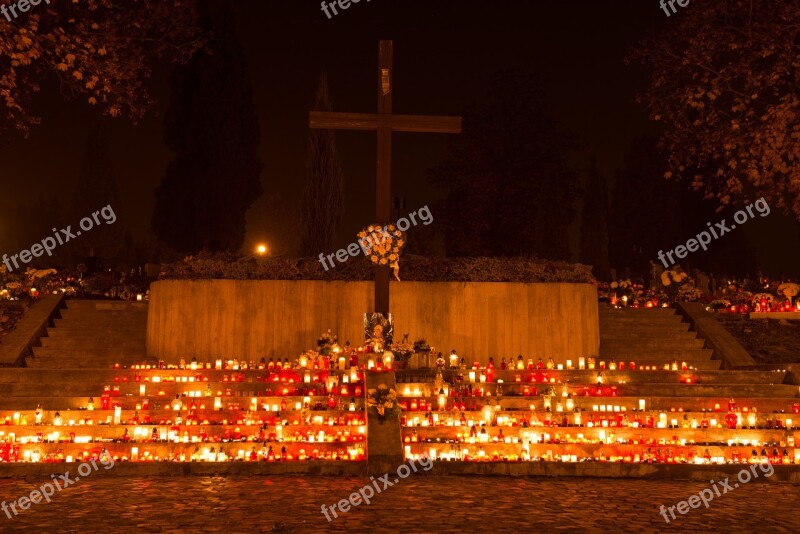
254	319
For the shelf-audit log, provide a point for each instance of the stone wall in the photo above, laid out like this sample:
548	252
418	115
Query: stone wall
254	319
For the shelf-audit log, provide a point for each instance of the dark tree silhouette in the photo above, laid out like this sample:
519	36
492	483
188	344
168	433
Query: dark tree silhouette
594	223
323	200
99	51
646	214
649	213
724	83
97	188
510	186
212	127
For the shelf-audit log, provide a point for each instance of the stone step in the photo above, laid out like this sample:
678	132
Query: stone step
650	313
577	377
649	343
82	364
104	318
667	353
33	363
102	330
625	322
106	305
638	327
653	346
766	405
107	375
89	333
606	308
77	354
243	392
704	365
703	390
121	317
644	329
121	342
658	363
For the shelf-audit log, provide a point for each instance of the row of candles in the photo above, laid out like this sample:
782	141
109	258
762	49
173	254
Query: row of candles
343	362
206	454
765	306
337	359
466	454
256	403
286	385
443	401
351	375
319	390
583	363
246	419
603	437
580	419
173	434
761	306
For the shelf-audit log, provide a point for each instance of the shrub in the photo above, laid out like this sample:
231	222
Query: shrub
412	268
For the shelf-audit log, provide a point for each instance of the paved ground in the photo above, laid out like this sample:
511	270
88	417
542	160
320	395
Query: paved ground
414	505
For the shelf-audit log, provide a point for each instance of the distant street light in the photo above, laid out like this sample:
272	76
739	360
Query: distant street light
261	250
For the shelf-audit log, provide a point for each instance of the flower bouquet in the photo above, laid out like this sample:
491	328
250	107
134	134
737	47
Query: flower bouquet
384	400
325	343
672	280
421	345
383	243
403	350
789	290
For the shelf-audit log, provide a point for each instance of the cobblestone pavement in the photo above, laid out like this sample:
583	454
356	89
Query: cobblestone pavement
415	505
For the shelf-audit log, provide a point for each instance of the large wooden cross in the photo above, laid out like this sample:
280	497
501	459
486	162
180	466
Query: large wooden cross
384	122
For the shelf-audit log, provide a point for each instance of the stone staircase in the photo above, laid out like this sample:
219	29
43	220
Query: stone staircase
623	425
651	337
94	334
650	413
225	409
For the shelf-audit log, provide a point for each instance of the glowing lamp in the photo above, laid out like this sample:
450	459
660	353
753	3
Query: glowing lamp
453	359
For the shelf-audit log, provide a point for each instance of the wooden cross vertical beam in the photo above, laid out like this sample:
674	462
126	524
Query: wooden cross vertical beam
384	123
383	177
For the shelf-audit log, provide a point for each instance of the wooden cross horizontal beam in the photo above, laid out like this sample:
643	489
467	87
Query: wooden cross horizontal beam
374	121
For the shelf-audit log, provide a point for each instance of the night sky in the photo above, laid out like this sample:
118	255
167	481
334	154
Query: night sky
445	52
